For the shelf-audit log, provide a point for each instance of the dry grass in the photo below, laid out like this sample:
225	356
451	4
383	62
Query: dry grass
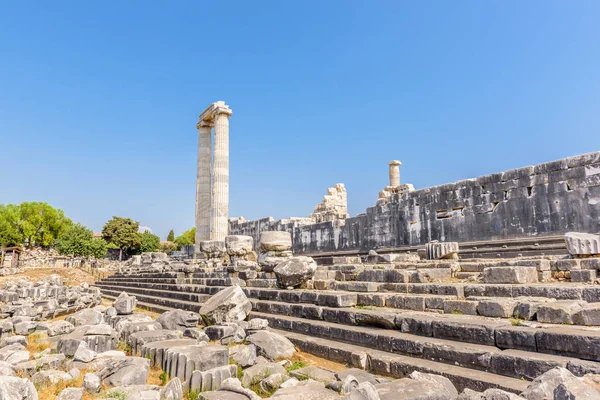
309	359
71	276
35	345
156	376
50	391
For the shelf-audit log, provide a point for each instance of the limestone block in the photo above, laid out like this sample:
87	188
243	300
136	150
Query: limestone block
499	308
559	383
271	345
122	371
137	341
441	250
426	385
559	312
589	315
213	248
273	382
314	372
582	244
172	390
13	388
583	275
510	275
203	381
181	361
59	328
124	304
258	372
275	241
294	271
238	245
70	394
244	355
228	305
156	350
467	307
178	320
86	317
49	377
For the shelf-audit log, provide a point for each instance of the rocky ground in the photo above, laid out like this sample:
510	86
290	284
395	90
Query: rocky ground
62	342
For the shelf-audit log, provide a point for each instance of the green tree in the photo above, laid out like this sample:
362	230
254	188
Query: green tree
123	233
187	237
171	236
149	242
31	223
79	241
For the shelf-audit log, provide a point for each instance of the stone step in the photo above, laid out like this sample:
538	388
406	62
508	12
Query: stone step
560	340
559	291
546	338
156	300
522	308
399	366
142	305
512	363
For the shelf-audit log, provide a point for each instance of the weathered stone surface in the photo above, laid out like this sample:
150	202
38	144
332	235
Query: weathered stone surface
86	317
559	312
13	388
122	371
239	245
294	271
436	250
313	372
418	386
228	305
272	345
589	315
258	372
59	328
559	383
364	391
213	248
210	379
70	394
124	304
178	320
499	308
244	355
510	275
579	244
172	390
91	383
84	353
275	241
490	394
49	377
300	392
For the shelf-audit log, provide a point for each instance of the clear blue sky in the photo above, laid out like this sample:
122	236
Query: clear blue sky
99	100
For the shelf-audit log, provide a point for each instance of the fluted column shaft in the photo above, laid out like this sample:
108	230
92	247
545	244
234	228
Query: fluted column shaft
203	187
395	173
220	190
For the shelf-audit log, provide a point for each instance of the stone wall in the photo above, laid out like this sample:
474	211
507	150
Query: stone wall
334	205
546	199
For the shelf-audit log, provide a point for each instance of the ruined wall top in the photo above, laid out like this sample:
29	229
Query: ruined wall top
334	205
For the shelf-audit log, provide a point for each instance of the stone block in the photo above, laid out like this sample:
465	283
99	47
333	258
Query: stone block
516	337
579	243
441	250
589	315
583	275
275	241
567	264
559	312
467	307
209	380
510	275
590	263
569	341
499	308
238	245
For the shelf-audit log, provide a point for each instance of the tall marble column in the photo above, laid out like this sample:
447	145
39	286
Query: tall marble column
220	189
395	173
203	187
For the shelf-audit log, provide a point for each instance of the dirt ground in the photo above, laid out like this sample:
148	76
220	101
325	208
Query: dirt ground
71	276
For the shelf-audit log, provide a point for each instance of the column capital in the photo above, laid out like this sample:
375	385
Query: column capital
216	108
395	162
204	124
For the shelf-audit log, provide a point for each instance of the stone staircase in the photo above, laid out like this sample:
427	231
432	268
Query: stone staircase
394	319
